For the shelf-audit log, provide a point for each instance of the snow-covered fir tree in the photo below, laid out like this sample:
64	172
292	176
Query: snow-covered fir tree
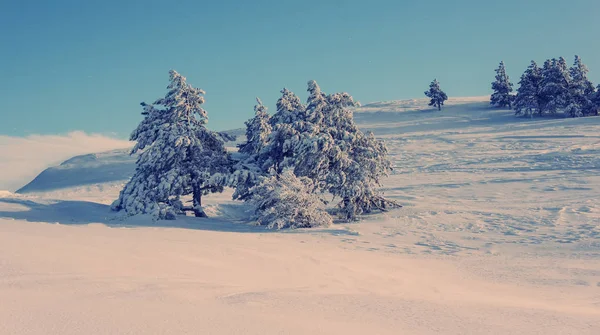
528	100
555	95
581	91
436	95
502	87
286	201
179	155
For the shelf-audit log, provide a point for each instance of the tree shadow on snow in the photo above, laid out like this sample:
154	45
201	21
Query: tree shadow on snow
84	212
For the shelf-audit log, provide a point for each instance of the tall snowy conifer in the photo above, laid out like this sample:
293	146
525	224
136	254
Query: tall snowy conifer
528	100
278	151
316	104
555	85
179	155
581	91
314	144
288	108
247	172
596	102
257	130
502	89
436	95
339	158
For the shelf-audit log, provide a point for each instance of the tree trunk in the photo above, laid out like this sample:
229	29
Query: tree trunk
197	196
439	106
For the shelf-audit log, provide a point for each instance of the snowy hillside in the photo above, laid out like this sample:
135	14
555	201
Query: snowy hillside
104	169
379	117
499	233
100	168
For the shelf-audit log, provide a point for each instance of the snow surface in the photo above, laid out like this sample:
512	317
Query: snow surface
500	234
22	158
106	169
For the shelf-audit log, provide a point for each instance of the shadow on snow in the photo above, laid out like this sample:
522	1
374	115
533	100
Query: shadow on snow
83	212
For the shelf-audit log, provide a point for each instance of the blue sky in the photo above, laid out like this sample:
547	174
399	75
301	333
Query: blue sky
86	65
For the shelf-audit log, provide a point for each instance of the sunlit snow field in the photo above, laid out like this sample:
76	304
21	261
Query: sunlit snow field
499	234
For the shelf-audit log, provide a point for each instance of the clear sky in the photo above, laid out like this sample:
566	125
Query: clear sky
86	65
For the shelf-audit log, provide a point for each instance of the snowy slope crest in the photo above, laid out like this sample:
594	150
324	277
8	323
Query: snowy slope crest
5	194
410	105
107	167
99	170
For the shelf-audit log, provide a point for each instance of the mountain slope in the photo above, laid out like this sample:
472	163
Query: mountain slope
115	166
99	168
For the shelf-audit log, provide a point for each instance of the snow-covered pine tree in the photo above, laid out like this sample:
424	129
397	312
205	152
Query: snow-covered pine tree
288	108
580	90
295	125
286	201
528	98
313	146
502	87
316	103
339	158
179	155
436	95
555	85
257	130
319	142
596	101
278	151
247	172
360	162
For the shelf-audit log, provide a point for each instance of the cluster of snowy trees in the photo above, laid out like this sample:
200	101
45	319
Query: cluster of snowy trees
548	90
291	164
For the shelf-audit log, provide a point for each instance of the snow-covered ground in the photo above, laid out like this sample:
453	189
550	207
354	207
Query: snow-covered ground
499	234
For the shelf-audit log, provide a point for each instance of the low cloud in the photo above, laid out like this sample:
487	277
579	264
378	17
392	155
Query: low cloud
23	158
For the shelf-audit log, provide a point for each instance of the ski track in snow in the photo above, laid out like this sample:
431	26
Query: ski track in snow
499	233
